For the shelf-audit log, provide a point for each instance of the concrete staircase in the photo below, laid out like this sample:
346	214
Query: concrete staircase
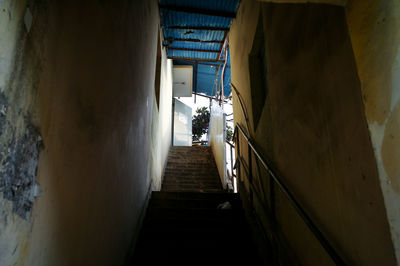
185	224
191	169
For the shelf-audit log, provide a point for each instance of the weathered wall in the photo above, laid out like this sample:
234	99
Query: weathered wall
20	139
85	75
374	28
313	129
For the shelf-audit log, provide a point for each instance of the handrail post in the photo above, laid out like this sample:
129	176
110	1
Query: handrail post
272	198
250	175
233	179
237	145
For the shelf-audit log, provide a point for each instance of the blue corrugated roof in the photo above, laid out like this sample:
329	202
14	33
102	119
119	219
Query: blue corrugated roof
175	18
206	54
221	5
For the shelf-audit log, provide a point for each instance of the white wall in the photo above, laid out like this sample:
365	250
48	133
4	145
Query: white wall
162	121
182	124
217	139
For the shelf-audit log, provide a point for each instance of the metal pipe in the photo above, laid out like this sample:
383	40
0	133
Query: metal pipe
233	183
194	40
246	117
223	74
250	176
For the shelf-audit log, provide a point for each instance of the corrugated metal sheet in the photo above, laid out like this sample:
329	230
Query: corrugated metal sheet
174	18
194	34
222	5
190	54
196	45
206	70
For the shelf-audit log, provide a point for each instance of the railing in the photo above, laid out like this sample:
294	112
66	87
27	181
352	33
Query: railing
232	176
244	111
199	142
274	179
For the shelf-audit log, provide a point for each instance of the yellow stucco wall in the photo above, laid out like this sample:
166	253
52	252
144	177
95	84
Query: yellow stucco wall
374	27
313	129
85	75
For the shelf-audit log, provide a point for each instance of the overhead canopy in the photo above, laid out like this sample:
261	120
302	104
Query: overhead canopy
194	32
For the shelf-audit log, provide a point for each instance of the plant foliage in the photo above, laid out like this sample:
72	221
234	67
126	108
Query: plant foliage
200	123
229	133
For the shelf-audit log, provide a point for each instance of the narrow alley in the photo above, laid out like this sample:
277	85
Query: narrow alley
184	132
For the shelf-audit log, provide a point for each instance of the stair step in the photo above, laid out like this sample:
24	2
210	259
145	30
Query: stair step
192	190
198	185
183	224
190	181
186	224
192	213
184	245
197	189
220	196
198	252
211	234
192	203
191	169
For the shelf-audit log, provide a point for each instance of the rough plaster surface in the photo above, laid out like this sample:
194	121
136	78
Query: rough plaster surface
87	79
20	138
19	162
375	34
314	131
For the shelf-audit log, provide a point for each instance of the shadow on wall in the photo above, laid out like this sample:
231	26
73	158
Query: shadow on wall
83	76
312	127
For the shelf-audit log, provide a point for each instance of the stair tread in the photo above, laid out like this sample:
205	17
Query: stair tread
191	195
183	224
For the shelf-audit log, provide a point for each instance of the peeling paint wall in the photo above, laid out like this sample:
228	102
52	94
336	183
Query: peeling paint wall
375	34
20	137
313	130
77	101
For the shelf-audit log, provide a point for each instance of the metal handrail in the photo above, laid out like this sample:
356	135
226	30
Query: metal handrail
233	176
199	142
246	117
306	218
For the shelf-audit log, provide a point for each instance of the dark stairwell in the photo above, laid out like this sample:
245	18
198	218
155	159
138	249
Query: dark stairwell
186	223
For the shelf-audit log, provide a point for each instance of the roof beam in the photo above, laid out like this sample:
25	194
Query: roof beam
195	80
201	11
222	45
194	59
205	64
198	28
195	40
193	50
209	97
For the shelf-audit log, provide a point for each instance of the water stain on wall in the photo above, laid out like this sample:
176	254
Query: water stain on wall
20	139
390	151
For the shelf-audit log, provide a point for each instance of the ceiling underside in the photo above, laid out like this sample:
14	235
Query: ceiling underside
194	32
